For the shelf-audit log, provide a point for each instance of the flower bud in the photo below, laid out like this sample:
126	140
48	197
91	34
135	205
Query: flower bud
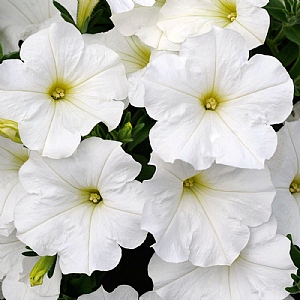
9	129
40	269
85	9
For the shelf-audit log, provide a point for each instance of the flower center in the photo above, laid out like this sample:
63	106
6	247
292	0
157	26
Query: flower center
210	104
95	197
58	93
232	16
295	187
188	182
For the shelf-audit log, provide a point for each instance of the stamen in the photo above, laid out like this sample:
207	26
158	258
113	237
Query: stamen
232	16
58	93
95	198
211	104
188	182
294	187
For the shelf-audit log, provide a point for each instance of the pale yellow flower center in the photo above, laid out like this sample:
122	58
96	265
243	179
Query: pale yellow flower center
211	103
58	93
95	197
188	182
295	187
232	16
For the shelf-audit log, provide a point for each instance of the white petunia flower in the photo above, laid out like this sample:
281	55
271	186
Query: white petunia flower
203	216
135	56
63	89
82	207
21	18
119	6
261	272
141	21
181	19
285	173
12	157
16	269
211	103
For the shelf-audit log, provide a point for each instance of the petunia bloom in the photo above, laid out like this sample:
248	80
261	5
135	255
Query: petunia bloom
204	216
285	173
181	19
22	18
63	89
82	207
135	55
261	272
141	21
212	104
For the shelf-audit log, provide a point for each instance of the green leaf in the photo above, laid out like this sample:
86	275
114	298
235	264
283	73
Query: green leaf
12	55
292	33
100	18
1	51
64	13
29	253
293	289
74	285
288	53
277	10
295	70
52	268
294	252
288	5
295	278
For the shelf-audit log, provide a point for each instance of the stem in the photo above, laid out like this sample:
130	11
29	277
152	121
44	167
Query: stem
272	46
279	37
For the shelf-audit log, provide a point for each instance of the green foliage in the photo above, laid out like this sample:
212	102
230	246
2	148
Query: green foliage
132	131
99	20
75	285
64	13
295	255
30	252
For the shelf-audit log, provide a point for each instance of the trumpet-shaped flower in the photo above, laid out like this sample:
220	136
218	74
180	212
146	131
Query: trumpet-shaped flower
203	216
211	103
120	6
21	18
12	157
261	272
82	207
285	173
141	21
181	19
63	89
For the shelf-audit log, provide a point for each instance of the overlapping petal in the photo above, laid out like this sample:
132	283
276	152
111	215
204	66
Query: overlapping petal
214	67
21	18
262	271
90	78
203	216
59	215
181	19
285	169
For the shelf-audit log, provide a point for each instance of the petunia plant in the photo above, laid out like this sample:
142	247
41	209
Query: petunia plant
149	149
